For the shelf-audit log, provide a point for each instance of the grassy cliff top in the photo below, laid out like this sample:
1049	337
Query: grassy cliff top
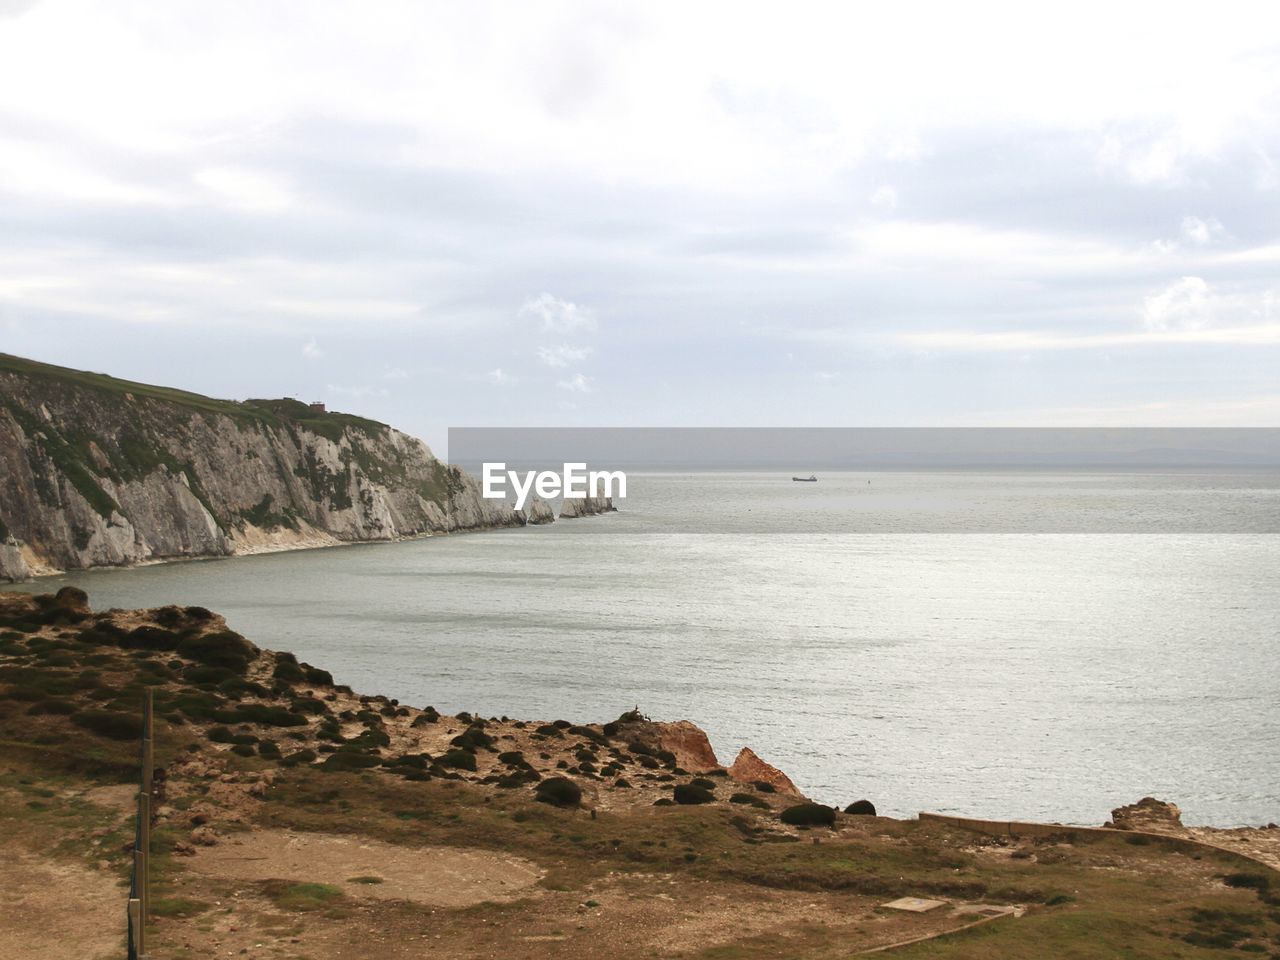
303	812
273	412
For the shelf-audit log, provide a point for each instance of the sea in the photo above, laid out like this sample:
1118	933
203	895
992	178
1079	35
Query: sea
1022	645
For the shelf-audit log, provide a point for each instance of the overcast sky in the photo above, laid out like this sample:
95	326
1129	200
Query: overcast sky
653	214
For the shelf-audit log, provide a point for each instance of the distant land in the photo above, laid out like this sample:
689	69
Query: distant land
97	471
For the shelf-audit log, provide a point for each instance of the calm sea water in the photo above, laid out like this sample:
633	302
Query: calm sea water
1040	676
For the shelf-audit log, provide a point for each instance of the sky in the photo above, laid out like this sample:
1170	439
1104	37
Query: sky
657	214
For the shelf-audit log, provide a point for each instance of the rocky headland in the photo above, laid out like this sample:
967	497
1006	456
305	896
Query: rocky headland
96	471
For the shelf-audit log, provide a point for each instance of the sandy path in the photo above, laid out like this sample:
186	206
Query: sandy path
440	876
58	910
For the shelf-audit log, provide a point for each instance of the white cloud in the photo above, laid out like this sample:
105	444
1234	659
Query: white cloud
1183	305
311	350
1202	232
395	373
557	316
885	197
360	392
563	355
499	376
244	188
576	384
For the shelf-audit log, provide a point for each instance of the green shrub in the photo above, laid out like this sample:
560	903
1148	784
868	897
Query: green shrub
150	638
809	815
110	724
350	760
763	786
689	794
260	713
221	649
473	738
703	782
243	750
269	749
558	791
749	799
458	759
223	735
302	756
861	808
61	708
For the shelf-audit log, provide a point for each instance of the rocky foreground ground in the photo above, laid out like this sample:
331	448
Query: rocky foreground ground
298	818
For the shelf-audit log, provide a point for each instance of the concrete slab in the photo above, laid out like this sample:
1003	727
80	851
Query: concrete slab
914	904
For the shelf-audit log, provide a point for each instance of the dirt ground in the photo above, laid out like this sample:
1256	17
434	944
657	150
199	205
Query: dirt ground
59	910
440	876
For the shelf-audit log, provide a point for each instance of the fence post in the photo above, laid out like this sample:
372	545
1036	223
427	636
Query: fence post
140	899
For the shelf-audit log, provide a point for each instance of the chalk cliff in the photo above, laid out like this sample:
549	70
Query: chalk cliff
98	471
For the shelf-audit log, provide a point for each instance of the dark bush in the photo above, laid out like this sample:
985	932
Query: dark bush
1248	881
198	673
547	730
688	794
243	750
287	669
459	759
558	791
861	808
150	638
316	676
308	705
302	756
749	799
198	706
588	734
473	738
260	713
108	723
809	815
702	782
223	735
269	749
61	708
763	786
221	649
350	760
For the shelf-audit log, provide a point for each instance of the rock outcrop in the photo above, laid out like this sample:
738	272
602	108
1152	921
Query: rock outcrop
749	768
96	471
1148	814
537	513
591	506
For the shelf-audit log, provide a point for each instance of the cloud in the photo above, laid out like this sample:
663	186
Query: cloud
576	384
1183	305
395	373
360	392
499	376
1195	232
1200	232
563	355
244	188
885	197
311	350
557	316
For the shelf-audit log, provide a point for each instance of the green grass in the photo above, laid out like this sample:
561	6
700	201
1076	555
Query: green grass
301	896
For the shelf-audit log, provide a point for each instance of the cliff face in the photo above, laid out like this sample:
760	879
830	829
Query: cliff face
97	471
